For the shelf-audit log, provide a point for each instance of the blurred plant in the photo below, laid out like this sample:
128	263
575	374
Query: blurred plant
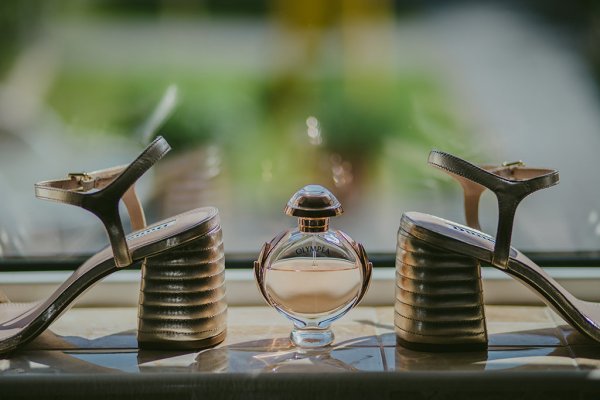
258	121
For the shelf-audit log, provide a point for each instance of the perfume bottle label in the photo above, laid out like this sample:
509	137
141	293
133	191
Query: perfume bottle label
309	250
312	251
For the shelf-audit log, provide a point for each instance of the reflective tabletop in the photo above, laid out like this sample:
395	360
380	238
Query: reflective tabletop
100	343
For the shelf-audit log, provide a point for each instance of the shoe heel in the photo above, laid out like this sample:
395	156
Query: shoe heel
439	301
182	298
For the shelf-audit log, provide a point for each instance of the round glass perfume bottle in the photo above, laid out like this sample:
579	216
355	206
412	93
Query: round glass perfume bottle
311	274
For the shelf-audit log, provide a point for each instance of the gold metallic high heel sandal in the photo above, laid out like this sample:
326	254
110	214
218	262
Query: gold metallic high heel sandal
182	299
439	303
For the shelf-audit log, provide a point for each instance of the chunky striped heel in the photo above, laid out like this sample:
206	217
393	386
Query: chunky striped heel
182	298
439	302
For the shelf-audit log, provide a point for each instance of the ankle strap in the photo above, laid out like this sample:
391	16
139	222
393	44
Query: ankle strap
100	192
472	191
510	182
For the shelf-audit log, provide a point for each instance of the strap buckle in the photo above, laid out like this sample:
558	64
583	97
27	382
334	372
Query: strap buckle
83	179
513	164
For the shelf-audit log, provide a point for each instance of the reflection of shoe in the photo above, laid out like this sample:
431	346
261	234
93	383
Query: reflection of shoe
182	299
439	304
409	360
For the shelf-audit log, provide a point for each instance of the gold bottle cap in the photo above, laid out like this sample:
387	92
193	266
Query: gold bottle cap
313	201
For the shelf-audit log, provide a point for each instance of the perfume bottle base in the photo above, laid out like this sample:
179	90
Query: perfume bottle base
311	338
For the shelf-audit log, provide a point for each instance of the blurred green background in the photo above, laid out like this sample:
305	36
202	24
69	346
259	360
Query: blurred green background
273	95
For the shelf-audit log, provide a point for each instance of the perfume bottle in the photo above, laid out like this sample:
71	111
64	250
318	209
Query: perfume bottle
311	274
